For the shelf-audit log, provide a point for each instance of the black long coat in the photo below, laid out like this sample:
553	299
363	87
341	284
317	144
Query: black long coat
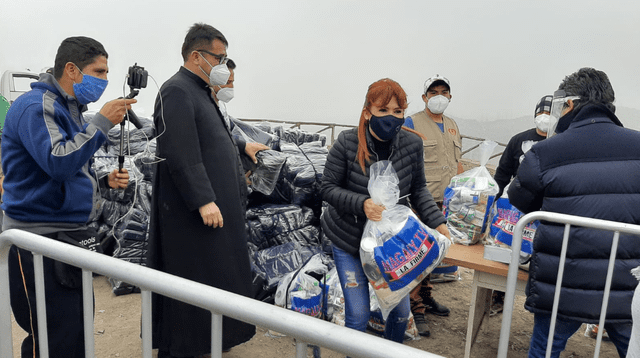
201	165
591	170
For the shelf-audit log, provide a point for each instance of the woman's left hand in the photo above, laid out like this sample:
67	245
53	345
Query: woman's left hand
373	210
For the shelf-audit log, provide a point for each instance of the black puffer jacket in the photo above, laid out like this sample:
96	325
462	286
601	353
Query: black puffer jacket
344	187
592	170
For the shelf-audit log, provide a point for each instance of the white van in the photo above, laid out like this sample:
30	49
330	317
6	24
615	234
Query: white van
15	83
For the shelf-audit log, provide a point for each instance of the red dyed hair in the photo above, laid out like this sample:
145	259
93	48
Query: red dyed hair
380	93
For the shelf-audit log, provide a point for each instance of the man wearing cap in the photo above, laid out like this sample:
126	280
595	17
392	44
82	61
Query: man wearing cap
442	152
514	152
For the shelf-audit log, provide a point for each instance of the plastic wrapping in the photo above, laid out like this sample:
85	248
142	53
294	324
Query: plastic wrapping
135	141
503	219
301	175
145	161
398	251
300	291
251	133
273	224
277	261
265	176
469	197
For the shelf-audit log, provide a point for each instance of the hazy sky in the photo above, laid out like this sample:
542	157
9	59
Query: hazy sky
313	60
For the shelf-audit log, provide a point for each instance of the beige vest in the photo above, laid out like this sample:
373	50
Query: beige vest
442	151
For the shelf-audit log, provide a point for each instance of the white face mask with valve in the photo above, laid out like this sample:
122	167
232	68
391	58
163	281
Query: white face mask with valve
437	104
542	122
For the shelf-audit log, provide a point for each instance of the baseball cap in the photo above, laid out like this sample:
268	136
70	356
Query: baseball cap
544	105
434	79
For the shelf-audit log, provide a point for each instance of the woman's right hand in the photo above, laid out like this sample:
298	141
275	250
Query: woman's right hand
373	210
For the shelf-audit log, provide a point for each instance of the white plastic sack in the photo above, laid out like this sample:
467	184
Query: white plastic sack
300	291
398	251
469	197
503	219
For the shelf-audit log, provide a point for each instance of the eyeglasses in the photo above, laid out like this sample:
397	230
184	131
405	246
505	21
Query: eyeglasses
222	59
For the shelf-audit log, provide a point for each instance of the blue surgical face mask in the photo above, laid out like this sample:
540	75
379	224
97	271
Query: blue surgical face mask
90	89
386	127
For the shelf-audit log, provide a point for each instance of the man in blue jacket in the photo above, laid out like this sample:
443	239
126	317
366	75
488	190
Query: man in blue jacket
49	188
589	168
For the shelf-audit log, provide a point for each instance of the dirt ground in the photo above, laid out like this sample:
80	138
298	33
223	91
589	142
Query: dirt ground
117	329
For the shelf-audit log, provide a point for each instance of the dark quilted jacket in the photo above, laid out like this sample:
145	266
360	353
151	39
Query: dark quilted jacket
592	170
344	187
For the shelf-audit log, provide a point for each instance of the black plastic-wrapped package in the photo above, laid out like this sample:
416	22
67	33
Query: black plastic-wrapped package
250	133
273	224
279	260
264	177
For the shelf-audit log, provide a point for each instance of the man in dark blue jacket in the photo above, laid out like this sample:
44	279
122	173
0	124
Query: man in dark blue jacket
590	168
49	188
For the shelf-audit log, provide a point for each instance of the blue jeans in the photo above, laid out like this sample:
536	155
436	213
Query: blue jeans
355	289
618	333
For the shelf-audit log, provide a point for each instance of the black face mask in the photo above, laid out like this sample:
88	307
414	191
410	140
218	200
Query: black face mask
386	127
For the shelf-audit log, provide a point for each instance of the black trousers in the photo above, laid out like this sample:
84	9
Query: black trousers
64	307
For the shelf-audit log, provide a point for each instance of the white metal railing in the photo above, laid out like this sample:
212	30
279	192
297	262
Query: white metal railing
305	329
512	276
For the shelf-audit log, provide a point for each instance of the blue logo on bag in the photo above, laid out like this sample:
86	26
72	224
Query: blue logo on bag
308	306
406	255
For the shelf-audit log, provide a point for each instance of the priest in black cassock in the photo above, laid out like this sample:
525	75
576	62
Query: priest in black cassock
199	199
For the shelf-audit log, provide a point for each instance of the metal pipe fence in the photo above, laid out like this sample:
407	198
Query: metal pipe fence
512	276
306	329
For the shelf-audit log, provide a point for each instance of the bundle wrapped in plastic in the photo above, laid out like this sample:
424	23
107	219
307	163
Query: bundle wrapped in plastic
132	238
398	251
145	161
252	133
135	140
266	174
469	197
315	154
291	135
302	174
273	224
275	262
503	219
103	163
298	136
301	290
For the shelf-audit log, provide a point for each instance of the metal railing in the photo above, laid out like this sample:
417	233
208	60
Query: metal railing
512	276
324	126
305	329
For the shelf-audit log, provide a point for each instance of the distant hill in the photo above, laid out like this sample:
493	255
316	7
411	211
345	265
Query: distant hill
502	130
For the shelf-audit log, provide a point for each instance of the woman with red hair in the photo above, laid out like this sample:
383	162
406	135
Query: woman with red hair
379	136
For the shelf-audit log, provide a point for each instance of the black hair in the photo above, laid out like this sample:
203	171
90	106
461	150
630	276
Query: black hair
200	36
592	86
231	64
80	50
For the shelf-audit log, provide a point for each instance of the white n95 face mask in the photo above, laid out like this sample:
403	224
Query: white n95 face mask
225	94
542	122
219	74
438	104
